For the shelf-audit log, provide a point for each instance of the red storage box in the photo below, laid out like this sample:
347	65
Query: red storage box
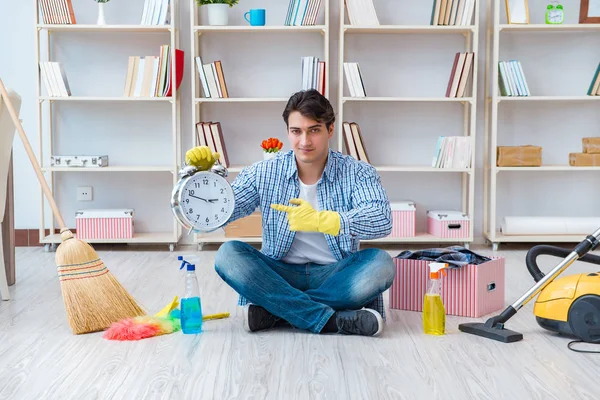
403	219
472	290
448	224
104	224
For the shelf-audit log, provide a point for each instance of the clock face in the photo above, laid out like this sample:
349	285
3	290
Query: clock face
555	16
207	201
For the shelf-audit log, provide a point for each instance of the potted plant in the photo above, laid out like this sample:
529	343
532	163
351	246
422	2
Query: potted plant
271	147
101	20
217	10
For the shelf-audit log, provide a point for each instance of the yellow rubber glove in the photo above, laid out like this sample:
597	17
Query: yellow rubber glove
201	157
305	218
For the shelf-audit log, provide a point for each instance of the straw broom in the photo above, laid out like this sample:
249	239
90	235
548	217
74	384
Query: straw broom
93	297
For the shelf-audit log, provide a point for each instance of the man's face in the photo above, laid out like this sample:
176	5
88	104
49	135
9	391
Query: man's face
309	139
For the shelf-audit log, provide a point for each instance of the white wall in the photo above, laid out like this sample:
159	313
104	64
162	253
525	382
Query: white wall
396	65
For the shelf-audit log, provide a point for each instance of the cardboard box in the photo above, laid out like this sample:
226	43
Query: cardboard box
448	224
591	145
468	291
584	159
250	226
519	156
104	224
403	219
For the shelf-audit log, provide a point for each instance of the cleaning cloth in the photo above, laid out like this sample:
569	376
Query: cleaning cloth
455	256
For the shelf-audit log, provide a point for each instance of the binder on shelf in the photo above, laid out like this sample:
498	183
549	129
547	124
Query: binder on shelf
362	12
313	74
460	74
150	76
212	79
156	12
594	89
209	133
452	152
452	12
354	79
57	12
54	78
511	79
353	140
303	12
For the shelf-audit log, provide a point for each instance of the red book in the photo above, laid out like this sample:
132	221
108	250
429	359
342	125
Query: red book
179	65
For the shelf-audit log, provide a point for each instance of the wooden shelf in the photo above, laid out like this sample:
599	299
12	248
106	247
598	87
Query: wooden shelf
153	237
264	29
411	99
418	168
548	98
105	28
380	29
110	99
240	99
547	168
501	238
549	28
124	168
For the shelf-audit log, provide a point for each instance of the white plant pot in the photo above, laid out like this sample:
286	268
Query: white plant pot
217	14
101	20
268	156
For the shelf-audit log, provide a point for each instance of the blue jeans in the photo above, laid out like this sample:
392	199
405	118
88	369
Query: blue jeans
305	295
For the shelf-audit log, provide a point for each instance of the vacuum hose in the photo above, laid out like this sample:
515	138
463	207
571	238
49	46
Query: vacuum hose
556	251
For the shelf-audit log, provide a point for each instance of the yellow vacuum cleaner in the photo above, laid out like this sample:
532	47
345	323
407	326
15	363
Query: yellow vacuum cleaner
569	305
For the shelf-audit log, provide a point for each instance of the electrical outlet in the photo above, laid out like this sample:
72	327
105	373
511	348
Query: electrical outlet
84	193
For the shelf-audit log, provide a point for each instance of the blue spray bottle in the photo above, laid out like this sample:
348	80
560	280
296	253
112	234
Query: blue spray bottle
191	305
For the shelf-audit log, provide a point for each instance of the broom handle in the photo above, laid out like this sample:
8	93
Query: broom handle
34	161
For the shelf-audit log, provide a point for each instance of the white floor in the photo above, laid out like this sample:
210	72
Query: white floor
41	359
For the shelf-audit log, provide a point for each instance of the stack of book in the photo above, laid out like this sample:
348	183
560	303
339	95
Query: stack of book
353	140
55	79
150	76
511	79
452	12
156	12
594	89
354	80
57	12
361	12
210	134
303	12
313	74
212	79
459	76
452	152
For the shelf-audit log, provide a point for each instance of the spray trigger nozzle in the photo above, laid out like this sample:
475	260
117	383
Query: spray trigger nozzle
435	268
190	267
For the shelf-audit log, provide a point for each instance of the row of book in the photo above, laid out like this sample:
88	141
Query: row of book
303	12
55	79
594	89
354	79
511	79
361	12
212	79
353	141
453	152
313	74
57	12
150	76
156	12
452	12
462	69
209	133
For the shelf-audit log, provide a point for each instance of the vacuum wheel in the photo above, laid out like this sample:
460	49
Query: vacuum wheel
584	318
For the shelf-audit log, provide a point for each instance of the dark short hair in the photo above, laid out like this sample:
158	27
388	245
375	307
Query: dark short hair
311	104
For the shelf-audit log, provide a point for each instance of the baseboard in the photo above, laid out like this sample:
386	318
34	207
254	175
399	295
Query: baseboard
31	237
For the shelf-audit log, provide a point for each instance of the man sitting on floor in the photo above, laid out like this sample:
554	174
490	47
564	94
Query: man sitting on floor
316	205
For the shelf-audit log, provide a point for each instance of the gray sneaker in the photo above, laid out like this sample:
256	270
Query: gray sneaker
256	318
366	322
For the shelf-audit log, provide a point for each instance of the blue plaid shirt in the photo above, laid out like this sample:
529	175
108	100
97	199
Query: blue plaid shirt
350	187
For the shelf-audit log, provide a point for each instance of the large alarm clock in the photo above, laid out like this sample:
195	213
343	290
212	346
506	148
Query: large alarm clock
202	201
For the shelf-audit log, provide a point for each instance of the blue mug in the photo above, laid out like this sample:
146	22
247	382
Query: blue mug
257	16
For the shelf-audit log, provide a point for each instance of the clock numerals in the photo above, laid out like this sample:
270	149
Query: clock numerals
225	200
191	211
222	191
205	181
197	185
191	192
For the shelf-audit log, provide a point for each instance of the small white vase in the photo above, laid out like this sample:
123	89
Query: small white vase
218	14
268	156
101	20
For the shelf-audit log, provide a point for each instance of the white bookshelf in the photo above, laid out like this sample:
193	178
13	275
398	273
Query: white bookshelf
496	32
47	132
469	104
274	28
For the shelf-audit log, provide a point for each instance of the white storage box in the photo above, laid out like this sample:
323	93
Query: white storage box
104	224
448	224
403	219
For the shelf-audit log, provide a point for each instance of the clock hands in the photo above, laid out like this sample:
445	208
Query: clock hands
213	200
199	198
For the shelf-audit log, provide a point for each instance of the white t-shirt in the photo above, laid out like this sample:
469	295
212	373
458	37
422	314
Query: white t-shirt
309	246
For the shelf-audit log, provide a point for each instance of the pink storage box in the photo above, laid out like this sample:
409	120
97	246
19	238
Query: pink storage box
104	224
448	224
403	219
468	291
